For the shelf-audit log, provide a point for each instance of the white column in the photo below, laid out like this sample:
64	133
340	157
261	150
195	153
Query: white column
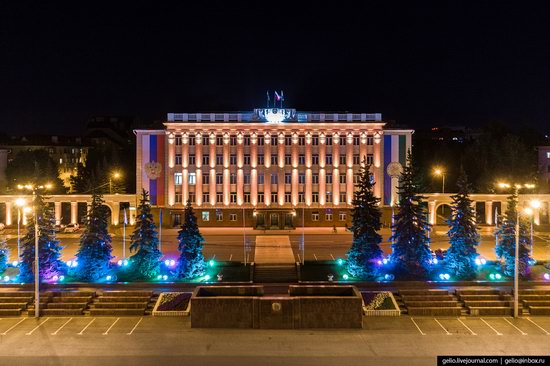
212	187
322	186
489	212
185	186
281	186
116	213
295	187
8	214
431	212
378	168
253	187
74	212
198	187
308	185
335	186
57	212
349	186
240	187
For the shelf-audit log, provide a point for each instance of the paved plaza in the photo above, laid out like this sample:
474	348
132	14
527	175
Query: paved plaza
170	341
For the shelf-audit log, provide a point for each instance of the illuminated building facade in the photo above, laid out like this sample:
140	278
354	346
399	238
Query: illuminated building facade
278	168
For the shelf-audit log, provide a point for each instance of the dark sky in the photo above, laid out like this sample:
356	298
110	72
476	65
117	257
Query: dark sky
454	63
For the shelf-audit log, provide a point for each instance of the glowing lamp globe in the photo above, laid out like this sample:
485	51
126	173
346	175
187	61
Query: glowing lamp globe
546	276
339	261
207	277
345	277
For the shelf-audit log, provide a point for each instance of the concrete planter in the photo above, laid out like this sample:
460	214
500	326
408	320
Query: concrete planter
384	312
157	312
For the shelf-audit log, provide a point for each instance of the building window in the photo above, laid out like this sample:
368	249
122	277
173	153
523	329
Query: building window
315	140
205	159
342	197
273	140
205	216
219	140
219	159
178	159
260	197
246	178
178	179
315	179
233	197
178	197
219	215
288	159
232	217
329	140
301	197
288	197
329	197
247	140
328	216
191	159
247	159
301	178
233	178
219	197
356	140
315	197
260	141
192	179
315	159
260	159
205	140
355	178
206	198
219	178
261	178
342	216
328	159
356	159
288	140
301	159
191	197
274	178
246	197
370	159
233	159
288	178
233	140
301	140
315	216
343	159
192	140
274	197
205	179
274	160
369	140
178	140
328	178
342	179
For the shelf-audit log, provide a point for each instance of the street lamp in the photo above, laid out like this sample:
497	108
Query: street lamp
517	188
20	203
441	172
114	175
34	189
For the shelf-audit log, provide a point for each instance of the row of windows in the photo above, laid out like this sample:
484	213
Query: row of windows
274	159
274	140
274	178
261	197
205	215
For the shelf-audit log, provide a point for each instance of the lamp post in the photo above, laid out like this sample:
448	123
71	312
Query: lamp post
517	188
20	203
441	172
114	175
34	189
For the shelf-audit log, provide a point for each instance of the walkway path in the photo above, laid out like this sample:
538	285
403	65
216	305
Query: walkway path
273	249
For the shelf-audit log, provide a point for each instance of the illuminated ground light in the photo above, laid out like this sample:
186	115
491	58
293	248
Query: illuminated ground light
211	263
546	276
72	264
6	278
207	278
345	277
444	276
15	263
481	261
495	276
169	263
108	278
389	277
339	261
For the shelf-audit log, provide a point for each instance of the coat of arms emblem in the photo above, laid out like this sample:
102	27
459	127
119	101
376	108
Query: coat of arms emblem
153	169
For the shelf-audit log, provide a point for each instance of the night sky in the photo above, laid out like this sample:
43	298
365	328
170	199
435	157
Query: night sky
447	64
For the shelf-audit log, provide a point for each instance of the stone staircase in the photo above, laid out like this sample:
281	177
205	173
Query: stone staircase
116	303
275	273
429	302
13	303
535	301
63	303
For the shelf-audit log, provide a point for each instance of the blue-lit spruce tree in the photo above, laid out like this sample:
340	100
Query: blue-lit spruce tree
145	242
49	250
505	249
191	261
411	244
94	254
366	214
4	255
463	236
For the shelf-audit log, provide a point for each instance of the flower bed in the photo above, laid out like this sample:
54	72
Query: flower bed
172	304
380	303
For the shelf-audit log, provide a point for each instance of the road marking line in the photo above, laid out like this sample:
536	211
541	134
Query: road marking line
86	327
541	328
489	325
112	325
135	326
519	330
441	325
465	326
61	327
417	327
38	326
13	326
315	256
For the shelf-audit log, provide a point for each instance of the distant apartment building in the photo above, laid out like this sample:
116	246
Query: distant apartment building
270	168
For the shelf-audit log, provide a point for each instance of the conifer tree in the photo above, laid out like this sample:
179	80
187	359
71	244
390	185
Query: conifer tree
145	242
191	262
4	254
49	250
94	254
411	244
365	247
505	249
463	236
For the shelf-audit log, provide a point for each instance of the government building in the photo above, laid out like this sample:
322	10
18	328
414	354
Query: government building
270	168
